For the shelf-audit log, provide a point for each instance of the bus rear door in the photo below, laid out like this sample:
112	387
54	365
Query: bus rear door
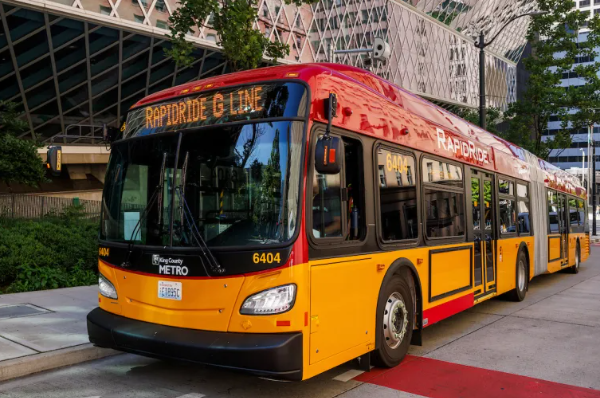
483	231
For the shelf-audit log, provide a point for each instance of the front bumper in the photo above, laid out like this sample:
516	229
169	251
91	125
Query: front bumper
276	355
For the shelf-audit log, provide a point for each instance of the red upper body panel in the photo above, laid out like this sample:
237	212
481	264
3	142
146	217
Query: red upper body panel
370	105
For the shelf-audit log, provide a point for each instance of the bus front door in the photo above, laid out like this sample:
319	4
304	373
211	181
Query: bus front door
483	232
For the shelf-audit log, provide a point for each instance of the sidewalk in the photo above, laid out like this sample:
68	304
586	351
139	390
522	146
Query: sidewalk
45	330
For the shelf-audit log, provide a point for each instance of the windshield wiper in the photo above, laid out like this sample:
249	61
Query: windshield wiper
212	261
156	196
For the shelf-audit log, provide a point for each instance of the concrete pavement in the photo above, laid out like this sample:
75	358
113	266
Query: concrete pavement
46	329
547	346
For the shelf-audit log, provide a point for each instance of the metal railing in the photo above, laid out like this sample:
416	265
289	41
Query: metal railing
36	206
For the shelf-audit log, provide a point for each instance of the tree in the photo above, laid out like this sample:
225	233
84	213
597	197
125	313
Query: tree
234	22
550	34
19	160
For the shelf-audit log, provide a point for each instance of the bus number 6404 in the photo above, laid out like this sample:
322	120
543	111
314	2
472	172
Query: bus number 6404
266	258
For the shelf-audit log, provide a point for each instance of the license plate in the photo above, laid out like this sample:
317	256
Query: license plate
169	290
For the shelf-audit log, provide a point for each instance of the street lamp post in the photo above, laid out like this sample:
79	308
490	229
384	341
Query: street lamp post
481	44
582	166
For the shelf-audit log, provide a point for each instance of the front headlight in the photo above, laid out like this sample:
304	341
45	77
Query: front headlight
272	301
107	289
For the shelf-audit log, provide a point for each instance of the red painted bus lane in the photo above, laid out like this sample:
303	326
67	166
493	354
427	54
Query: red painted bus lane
438	379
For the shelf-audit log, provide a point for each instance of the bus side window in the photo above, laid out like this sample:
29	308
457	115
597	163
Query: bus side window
354	178
523	216
327	205
338	199
397	195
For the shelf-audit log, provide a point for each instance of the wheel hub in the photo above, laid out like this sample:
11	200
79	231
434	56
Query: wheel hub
395	320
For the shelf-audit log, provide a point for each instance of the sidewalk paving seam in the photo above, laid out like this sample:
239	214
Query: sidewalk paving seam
21	344
511	314
552	320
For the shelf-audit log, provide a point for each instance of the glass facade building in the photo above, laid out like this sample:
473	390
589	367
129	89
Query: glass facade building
87	61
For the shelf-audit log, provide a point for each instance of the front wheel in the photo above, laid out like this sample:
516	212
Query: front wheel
518	294
575	268
396	317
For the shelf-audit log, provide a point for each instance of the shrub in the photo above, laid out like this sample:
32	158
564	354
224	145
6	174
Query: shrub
49	253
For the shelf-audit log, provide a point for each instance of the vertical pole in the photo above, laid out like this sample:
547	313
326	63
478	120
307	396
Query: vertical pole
593	187
481	46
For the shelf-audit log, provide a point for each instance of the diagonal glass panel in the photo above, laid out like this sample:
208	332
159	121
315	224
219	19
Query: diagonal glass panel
105	81
161	71
10	88
135	65
72	77
33	47
188	74
135	44
105	100
160	86
6	65
36	73
41	94
102	38
100	62
23	22
133	86
74	98
76	115
125	105
158	53
65	30
49	129
44	113
3	41
69	55
109	116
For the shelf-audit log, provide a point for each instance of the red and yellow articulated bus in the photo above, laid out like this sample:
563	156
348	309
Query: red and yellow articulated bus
286	220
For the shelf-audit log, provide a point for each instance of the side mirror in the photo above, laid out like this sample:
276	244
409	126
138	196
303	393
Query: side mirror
110	134
54	160
328	155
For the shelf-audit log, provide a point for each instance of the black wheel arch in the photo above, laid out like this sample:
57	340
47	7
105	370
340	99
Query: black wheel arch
397	267
525	249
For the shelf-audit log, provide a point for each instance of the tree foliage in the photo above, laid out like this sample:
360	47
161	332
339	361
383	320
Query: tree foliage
19	160
243	46
554	33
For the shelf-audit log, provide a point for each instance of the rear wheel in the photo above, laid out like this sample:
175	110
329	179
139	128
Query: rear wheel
575	268
522	279
396	319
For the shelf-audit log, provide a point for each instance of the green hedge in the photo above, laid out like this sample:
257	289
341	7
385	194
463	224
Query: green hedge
53	252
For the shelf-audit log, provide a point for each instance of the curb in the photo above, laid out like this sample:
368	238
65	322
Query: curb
24	366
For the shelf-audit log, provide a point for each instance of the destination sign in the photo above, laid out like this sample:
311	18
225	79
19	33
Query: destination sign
231	104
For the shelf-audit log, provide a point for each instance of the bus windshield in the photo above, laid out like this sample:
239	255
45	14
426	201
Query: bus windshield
236	185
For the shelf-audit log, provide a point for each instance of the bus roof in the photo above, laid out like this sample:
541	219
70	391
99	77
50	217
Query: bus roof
373	106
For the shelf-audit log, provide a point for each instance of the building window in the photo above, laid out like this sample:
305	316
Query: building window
138	18
160	6
162	24
444	200
397	199
584	3
105	10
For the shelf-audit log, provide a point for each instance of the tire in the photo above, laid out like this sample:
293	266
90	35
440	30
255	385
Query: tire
521	279
394	332
575	268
